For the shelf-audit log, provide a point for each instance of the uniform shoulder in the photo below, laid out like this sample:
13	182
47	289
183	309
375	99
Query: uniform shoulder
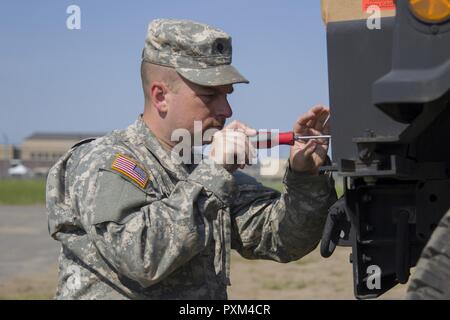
99	153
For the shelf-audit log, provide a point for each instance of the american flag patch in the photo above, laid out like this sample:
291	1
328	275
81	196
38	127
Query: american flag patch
131	169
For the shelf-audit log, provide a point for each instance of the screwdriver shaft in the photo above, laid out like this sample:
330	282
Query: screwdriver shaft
298	137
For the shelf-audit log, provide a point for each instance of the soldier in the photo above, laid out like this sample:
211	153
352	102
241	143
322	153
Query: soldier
133	224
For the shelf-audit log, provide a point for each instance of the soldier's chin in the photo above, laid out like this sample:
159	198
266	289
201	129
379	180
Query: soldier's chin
212	130
218	128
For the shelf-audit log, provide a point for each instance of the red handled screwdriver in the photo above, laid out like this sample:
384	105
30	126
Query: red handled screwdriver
267	139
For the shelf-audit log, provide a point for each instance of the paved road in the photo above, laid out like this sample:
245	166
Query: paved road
25	246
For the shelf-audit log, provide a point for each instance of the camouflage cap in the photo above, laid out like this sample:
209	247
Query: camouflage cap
198	52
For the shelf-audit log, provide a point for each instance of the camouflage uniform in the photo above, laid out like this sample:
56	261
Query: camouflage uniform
170	237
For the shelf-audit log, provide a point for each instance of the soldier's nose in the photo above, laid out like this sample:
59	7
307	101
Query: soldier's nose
224	109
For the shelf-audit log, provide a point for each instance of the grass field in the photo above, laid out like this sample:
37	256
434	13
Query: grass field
278	185
22	192
28	192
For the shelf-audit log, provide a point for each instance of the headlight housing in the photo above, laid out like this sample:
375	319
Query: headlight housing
431	11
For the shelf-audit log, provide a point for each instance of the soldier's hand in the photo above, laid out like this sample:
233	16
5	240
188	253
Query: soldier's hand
231	146
307	157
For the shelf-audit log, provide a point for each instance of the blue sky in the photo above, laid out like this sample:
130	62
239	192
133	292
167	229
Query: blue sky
58	80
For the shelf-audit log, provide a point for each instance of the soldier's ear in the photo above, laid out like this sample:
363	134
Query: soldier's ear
158	92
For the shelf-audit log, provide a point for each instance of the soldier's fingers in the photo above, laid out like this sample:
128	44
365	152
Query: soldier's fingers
308	119
302	121
317	109
236	146
321	113
314	132
250	151
253	153
321	151
321	118
309	149
239	126
236	136
238	149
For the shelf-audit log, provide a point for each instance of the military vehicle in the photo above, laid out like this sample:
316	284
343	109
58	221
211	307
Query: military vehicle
389	87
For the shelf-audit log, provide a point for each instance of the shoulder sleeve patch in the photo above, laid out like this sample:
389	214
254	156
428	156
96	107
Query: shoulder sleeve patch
130	169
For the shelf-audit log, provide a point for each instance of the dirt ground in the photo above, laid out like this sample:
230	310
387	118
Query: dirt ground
28	267
311	277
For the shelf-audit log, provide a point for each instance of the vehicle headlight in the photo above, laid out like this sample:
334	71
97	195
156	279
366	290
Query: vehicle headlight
431	11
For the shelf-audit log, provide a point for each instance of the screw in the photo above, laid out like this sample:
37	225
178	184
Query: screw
366	198
434	29
369	133
364	154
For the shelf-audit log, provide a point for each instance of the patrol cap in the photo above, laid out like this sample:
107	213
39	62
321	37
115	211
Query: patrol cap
198	52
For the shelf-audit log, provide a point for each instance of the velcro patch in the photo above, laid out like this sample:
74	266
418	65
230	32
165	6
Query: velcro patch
130	169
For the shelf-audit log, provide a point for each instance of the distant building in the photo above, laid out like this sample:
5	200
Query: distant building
7	154
41	150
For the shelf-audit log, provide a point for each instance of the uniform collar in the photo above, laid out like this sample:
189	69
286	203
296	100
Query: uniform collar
140	133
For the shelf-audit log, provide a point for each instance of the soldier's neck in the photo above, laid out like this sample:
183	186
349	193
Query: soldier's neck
158	132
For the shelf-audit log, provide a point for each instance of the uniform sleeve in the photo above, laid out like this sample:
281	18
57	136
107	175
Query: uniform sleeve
282	227
143	235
